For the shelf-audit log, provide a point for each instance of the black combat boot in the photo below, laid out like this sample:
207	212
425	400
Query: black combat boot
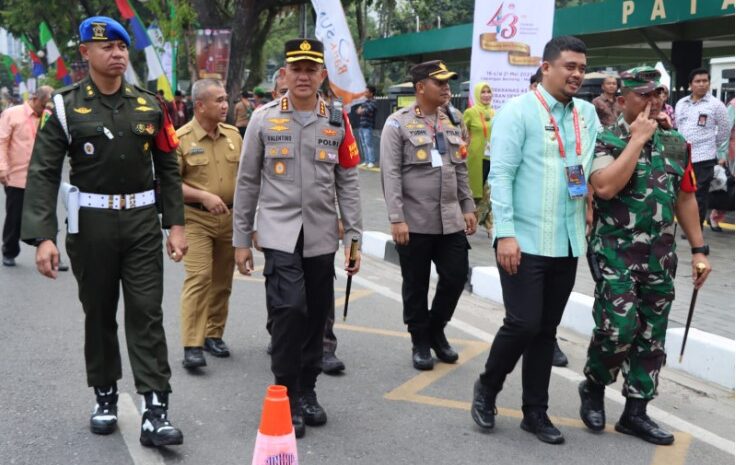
297	416
331	365
592	410
105	415
156	429
442	348
483	409
421	357
559	359
314	414
636	422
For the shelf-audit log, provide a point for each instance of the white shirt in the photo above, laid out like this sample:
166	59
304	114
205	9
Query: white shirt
704	124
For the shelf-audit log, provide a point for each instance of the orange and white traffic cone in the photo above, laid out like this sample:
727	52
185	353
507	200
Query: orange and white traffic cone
275	442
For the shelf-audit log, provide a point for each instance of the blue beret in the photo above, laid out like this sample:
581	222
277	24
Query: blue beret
102	29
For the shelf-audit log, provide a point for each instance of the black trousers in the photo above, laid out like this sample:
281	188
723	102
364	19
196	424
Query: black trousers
299	292
535	299
114	248
704	175
13	214
450	256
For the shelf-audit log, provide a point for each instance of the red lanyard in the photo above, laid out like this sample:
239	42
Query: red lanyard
575	123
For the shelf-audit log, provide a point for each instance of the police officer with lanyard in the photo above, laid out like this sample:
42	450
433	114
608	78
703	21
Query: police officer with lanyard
430	207
643	179
114	132
297	157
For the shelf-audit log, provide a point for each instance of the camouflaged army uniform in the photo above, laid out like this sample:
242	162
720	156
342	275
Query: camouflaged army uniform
634	245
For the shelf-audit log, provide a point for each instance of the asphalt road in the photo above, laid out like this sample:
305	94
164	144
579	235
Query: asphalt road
380	411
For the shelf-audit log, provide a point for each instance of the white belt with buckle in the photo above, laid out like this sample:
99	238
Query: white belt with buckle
117	202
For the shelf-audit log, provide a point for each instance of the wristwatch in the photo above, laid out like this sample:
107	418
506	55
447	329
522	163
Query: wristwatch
704	249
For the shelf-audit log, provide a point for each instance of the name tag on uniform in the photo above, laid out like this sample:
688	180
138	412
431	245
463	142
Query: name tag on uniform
436	158
576	185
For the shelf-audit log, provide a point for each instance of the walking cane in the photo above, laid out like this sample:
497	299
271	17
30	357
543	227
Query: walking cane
700	268
351	263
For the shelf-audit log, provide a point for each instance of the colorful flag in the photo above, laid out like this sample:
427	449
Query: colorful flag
53	57
126	10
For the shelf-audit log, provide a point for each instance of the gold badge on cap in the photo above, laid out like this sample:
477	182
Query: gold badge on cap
305	46
89	149
98	31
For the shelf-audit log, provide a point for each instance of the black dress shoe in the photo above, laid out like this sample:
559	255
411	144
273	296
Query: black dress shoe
636	422
483	408
297	416
442	348
538	423
216	347
314	414
193	358
592	410
297	421
8	261
63	266
332	365
421	358
559	359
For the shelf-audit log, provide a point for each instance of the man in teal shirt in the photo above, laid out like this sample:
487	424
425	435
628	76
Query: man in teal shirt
542	149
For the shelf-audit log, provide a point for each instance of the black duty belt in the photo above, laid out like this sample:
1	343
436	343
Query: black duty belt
199	206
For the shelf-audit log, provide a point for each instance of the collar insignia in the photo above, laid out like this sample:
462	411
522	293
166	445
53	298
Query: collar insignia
322	108
284	104
82	110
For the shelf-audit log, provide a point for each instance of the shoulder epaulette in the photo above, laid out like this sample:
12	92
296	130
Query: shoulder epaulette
184	130
67	89
230	127
144	90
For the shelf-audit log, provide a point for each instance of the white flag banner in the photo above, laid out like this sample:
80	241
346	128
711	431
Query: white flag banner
52	52
154	64
163	49
131	76
508	41
341	58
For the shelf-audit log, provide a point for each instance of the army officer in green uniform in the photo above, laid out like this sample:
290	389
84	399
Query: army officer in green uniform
642	179
118	138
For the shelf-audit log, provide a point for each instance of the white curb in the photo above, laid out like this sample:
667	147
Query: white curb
708	356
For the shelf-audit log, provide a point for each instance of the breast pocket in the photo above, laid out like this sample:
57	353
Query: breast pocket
88	140
455	149
279	162
417	151
196	166
324	165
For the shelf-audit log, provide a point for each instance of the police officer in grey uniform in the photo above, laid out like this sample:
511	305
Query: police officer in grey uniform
297	157
430	207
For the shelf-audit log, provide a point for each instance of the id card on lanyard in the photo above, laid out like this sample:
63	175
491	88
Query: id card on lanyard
577	188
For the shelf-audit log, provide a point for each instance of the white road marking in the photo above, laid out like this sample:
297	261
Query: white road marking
674	421
129	423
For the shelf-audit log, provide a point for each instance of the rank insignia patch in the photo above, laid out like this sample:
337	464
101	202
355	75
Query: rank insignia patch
82	110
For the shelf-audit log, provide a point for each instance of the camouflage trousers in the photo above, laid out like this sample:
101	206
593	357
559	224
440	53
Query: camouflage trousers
631	310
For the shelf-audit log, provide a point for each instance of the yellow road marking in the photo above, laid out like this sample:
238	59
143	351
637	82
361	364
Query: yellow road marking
675	454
